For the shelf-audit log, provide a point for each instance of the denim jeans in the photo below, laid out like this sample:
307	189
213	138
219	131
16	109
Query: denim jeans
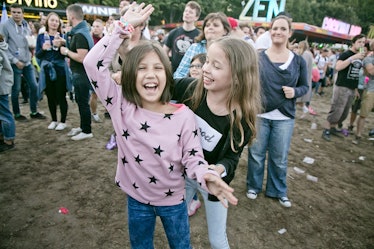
216	216
82	97
273	137
142	221
7	127
29	75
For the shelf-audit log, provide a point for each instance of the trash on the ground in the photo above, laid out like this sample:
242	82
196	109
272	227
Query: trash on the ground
362	158
63	210
371	138
308	140
282	231
298	170
313	126
312	178
308	160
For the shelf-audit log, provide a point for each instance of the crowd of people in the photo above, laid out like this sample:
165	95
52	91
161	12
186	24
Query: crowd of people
183	105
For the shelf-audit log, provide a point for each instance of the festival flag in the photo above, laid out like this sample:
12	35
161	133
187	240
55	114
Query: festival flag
4	15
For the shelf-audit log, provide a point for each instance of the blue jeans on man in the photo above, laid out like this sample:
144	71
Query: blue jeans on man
8	126
273	137
29	75
142	221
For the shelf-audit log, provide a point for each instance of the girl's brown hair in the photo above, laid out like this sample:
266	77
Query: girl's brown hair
214	16
130	71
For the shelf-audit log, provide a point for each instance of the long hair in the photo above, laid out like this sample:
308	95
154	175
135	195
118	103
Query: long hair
59	28
214	16
244	94
130	71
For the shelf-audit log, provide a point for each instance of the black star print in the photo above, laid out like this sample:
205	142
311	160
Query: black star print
109	100
169	193
195	133
183	199
137	159
94	83
201	162
117	183
171	168
134	185
99	64
144	126
125	134
168	115
158	150
105	46
153	179
179	136
124	160
193	152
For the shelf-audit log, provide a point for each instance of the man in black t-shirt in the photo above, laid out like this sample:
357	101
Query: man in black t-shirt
78	44
180	39
345	89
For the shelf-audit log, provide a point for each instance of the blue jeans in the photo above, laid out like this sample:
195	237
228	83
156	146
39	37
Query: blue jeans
7	127
273	137
142	221
82	97
29	75
216	216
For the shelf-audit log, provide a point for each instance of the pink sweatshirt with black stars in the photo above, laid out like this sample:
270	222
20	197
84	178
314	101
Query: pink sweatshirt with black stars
155	150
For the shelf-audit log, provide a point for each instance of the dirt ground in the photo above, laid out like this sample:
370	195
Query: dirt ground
47	171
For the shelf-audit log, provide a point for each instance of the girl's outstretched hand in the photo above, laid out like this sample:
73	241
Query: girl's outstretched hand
137	14
220	189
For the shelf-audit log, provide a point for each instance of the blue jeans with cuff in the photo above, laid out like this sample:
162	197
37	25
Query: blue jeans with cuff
142	221
273	138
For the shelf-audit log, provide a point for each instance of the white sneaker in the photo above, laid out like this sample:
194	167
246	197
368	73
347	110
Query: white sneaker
193	207
60	127
52	125
74	131
285	202
96	118
251	194
82	136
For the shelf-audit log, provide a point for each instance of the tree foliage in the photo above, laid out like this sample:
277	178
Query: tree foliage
357	12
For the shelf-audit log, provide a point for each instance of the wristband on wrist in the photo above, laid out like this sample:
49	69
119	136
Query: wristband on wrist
66	52
127	26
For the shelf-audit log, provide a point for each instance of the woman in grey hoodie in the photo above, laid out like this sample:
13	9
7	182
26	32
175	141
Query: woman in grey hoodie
7	124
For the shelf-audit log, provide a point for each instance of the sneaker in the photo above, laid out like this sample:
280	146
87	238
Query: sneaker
52	125
4	147
285	202
350	129
251	194
311	111
371	133
305	109
326	135
112	144
60	127
356	140
20	118
37	115
335	132
82	136
193	207
74	131
96	118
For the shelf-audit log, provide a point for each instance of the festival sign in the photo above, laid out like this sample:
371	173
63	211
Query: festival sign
262	10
